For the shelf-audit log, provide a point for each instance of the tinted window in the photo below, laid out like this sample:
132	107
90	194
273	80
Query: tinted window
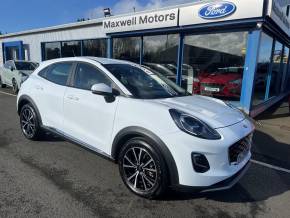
144	83
160	54
214	64
59	73
263	67
71	49
86	76
95	47
285	67
275	85
7	64
127	48
52	50
20	65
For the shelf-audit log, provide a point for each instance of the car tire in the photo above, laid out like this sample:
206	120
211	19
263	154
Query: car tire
15	86
29	123
142	168
1	83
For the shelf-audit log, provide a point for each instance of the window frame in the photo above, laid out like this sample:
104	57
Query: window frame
74	72
48	68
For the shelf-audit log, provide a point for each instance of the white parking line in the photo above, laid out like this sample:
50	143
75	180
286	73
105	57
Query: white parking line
271	166
5	93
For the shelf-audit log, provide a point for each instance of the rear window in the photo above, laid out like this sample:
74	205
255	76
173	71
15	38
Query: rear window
58	73
25	65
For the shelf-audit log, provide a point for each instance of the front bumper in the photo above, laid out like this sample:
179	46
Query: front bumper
220	186
181	146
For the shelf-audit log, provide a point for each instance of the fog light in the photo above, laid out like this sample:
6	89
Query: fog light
200	163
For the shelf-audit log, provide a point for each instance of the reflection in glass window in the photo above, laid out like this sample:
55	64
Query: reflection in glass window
285	67
71	49
127	49
87	76
288	78
51	50
263	66
95	47
59	73
276	75
214	64
160	54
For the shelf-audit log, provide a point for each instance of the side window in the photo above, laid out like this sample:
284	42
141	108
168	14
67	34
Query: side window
7	64
86	76
42	73
59	73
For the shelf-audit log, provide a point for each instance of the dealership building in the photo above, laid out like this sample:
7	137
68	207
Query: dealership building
235	50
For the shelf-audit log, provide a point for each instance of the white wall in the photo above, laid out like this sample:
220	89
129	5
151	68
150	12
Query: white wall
34	40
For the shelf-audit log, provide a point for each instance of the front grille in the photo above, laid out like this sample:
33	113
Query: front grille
239	150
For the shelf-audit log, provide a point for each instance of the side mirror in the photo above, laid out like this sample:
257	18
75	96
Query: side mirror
11	68
102	89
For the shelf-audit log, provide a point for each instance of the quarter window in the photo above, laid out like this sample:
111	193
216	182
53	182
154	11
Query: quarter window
86	76
59	73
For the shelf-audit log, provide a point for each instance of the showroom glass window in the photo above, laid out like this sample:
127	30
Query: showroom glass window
288	77
127	49
52	50
263	68
95	47
160	53
285	67
214	64
276	76
71	49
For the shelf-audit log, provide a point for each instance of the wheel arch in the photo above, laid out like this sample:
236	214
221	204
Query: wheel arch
135	131
23	100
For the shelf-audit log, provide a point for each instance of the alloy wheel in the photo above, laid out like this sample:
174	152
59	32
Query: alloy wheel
28	123
140	169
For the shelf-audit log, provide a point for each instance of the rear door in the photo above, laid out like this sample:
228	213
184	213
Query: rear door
88	117
49	91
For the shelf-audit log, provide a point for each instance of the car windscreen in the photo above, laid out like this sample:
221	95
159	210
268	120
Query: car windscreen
25	65
144	83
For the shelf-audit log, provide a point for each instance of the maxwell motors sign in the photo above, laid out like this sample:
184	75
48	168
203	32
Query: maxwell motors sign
142	21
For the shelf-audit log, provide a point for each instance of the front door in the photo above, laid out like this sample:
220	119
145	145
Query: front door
89	117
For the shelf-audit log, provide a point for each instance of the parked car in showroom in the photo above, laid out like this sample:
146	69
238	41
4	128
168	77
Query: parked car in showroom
13	73
219	82
160	135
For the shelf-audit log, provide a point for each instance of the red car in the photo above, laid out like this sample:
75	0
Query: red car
226	82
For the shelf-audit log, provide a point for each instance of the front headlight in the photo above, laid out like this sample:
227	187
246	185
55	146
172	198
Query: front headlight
193	126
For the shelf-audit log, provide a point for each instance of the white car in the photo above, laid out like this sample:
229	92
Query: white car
14	73
158	134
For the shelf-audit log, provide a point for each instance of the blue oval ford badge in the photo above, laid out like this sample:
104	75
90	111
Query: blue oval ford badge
217	10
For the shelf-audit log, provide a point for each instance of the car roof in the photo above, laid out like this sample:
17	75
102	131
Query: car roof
108	60
97	59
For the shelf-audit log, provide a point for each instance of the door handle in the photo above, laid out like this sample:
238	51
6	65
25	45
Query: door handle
71	97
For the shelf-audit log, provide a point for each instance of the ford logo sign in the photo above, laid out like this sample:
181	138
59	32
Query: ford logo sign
217	10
